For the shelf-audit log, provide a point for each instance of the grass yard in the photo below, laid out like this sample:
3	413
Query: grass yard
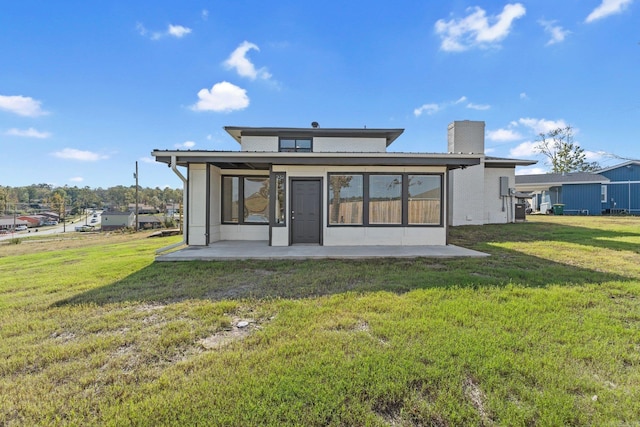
545	331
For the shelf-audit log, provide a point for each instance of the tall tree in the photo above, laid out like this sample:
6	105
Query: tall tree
563	154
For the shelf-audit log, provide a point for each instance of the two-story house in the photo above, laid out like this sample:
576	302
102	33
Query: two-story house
329	186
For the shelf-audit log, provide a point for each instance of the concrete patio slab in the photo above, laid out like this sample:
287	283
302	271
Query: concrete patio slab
239	250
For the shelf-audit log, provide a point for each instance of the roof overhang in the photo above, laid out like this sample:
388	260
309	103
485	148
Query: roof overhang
237	132
499	162
264	161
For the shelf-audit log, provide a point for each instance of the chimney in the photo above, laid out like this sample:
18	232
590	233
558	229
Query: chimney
466	137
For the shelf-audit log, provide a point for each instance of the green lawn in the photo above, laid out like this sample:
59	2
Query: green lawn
545	331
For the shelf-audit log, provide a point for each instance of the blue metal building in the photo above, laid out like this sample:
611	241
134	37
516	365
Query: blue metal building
612	190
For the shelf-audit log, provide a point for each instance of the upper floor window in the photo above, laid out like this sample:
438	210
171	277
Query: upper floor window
302	145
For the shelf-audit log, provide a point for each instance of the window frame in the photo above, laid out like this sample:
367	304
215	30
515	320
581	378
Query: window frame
241	220
404	199
603	193
295	148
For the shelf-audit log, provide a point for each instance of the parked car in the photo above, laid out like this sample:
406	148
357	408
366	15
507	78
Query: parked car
51	223
93	220
21	227
85	228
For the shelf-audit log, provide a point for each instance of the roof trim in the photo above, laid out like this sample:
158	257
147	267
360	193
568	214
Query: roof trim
237	132
621	165
241	160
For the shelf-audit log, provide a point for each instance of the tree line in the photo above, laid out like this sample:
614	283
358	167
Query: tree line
37	197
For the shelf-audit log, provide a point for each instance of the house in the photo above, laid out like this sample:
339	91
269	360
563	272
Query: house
117	220
337	186
611	190
9	223
149	221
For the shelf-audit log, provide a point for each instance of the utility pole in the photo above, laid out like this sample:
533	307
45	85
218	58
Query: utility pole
135	175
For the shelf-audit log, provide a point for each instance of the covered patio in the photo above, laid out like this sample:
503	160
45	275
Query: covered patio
241	250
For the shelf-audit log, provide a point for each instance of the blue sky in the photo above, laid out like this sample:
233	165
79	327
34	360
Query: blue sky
89	88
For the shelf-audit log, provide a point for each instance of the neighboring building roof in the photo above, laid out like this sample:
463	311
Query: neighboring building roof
263	160
113	213
630	162
547	180
237	132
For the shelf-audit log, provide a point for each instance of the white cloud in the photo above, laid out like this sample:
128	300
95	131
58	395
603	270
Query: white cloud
245	68
481	107
28	133
594	156
475	29
556	32
178	31
76	179
21	105
503	135
523	95
525	149
433	108
542	125
186	144
530	171
147	159
428	108
83	156
606	8
223	96
204	14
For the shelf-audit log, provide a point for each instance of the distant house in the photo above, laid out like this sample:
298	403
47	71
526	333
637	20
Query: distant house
340	186
8	223
149	221
33	220
117	220
143	209
609	191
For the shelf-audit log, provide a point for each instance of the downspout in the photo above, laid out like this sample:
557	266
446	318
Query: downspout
174	168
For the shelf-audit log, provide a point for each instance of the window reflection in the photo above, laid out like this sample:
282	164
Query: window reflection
256	200
345	199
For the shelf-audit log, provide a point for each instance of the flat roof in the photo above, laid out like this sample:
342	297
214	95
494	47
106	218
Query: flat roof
237	132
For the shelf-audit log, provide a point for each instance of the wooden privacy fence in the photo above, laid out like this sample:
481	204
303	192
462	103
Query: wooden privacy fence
386	212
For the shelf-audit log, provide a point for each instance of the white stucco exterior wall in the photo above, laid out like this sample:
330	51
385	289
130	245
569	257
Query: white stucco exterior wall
349	145
498	210
196	212
466	195
260	143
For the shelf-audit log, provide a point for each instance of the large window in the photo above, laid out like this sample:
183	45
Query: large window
300	145
423	202
375	199
385	199
346	198
230	198
245	200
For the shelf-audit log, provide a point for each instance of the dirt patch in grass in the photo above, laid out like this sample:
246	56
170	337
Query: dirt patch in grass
240	329
477	398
